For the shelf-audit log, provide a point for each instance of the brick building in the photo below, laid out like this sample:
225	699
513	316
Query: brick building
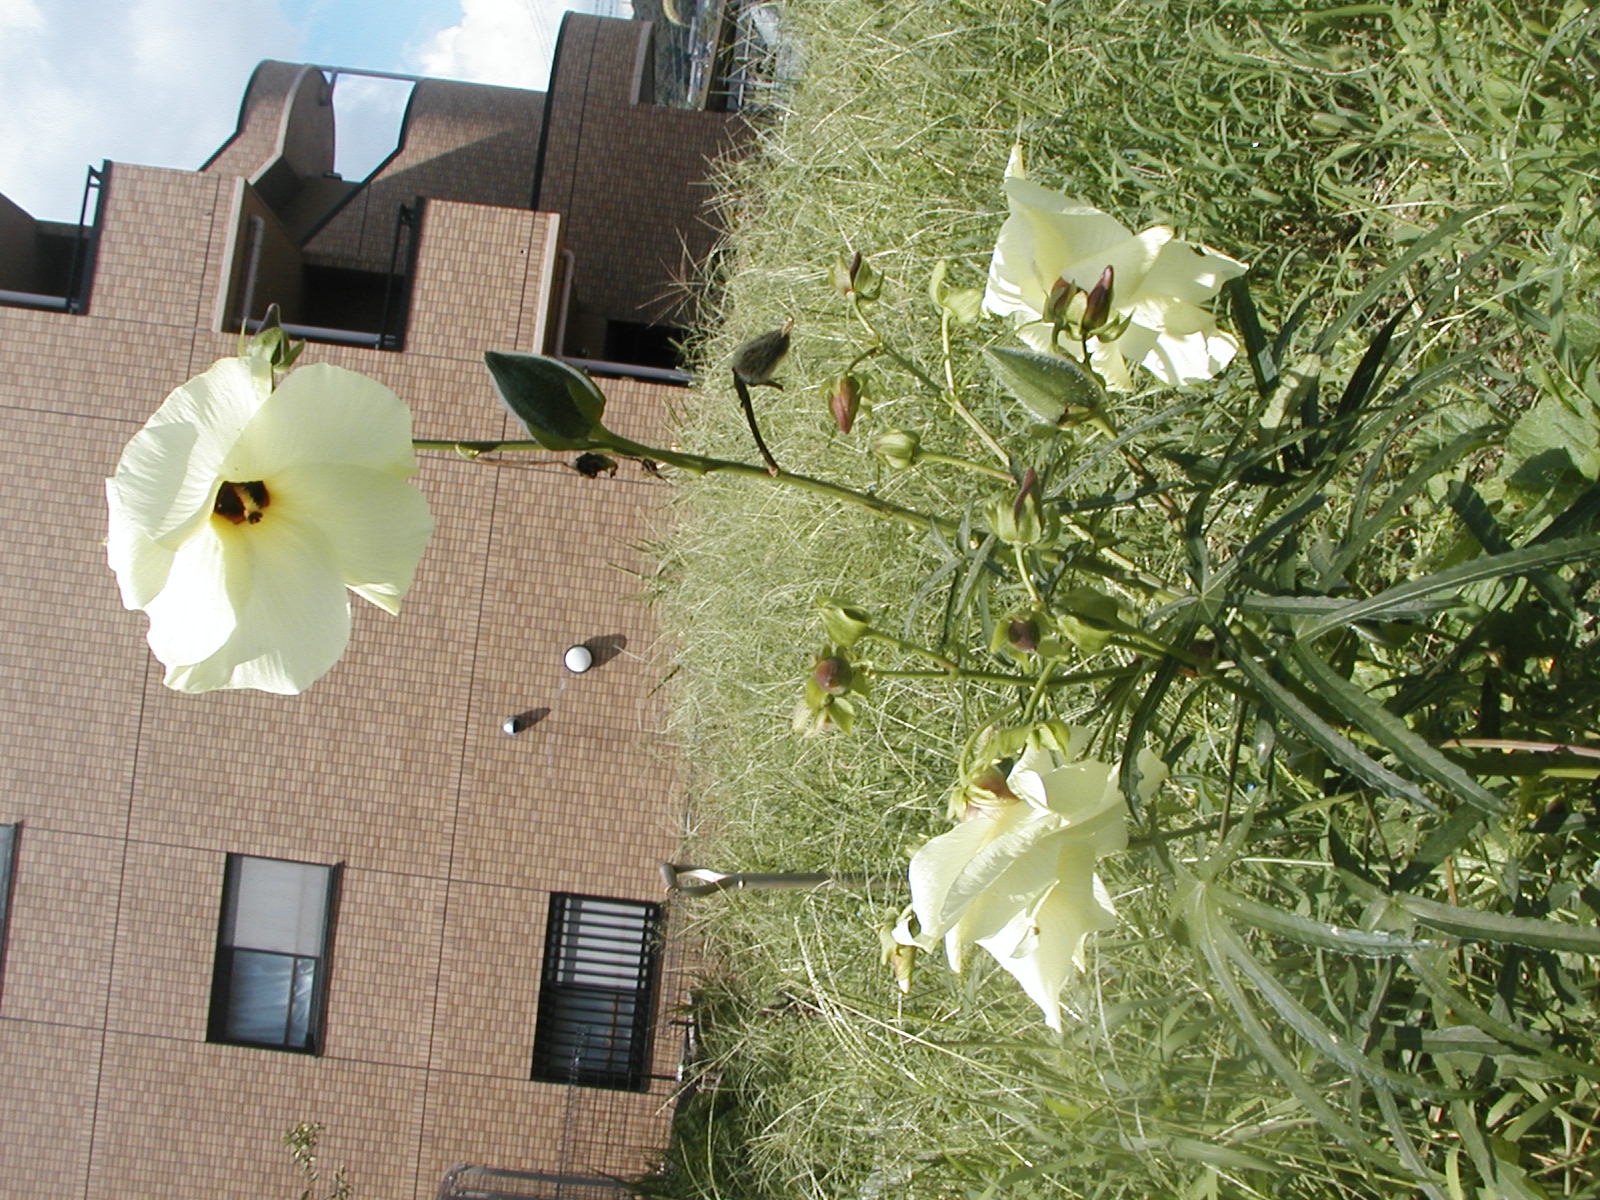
366	905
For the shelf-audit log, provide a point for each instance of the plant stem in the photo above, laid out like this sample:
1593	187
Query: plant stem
966	464
912	648
1051	681
471	449
931	384
700	464
1027	577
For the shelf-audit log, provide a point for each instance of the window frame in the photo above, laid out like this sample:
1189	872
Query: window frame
625	1050
218	1030
10	835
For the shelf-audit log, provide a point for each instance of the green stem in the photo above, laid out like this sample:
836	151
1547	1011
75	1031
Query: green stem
1027	577
1035	696
966	464
930	383
1050	681
700	464
471	449
912	648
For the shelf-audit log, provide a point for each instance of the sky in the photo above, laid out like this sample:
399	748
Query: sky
159	82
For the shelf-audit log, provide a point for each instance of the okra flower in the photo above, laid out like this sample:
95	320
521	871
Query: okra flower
241	513
1017	875
1054	251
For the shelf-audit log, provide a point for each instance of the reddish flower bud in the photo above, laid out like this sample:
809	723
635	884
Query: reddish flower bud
845	401
1059	300
833	675
1098	306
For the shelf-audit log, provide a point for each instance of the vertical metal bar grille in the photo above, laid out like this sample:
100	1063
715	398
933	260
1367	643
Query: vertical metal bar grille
84	243
597	992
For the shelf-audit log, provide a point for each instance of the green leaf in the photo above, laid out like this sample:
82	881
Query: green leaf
560	405
1325	737
1493	566
1198	919
1298	1017
1047	384
1497	927
1554	435
1392	733
1367	943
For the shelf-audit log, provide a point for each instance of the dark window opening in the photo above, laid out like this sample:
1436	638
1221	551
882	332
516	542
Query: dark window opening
320	303
597	992
644	345
50	264
269	984
336	298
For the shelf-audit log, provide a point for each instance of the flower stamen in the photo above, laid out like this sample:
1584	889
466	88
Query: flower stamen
241	503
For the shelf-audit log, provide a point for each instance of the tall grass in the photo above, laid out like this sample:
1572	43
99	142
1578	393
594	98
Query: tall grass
1319	142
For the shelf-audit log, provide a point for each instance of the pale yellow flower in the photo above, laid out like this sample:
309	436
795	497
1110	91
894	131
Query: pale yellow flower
241	513
1017	877
1158	289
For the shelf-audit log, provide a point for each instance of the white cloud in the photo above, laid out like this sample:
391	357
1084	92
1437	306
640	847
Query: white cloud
506	42
149	81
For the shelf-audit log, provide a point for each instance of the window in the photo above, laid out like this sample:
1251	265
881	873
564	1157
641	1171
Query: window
271	974
8	858
597	992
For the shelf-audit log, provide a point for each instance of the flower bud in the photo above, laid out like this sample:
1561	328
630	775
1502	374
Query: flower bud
1089	618
591	465
845	624
833	674
898	448
842	274
1098	306
1023	633
1024	520
1059	301
900	957
844	401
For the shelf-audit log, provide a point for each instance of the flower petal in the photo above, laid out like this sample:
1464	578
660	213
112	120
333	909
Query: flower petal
1190	272
141	565
951	871
1042	948
166	480
196	612
1075	791
281	586
325	414
1190	358
376	526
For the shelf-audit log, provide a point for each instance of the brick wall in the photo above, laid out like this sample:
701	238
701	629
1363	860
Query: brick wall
452	836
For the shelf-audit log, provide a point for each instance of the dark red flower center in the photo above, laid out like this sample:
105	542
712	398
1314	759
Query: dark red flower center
241	503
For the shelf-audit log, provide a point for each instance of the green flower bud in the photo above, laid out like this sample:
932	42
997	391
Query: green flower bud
1088	618
845	624
842	274
1058	303
898	448
1023	521
855	277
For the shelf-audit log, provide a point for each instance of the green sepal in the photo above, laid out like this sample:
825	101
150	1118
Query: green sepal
560	405
964	304
1049	385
